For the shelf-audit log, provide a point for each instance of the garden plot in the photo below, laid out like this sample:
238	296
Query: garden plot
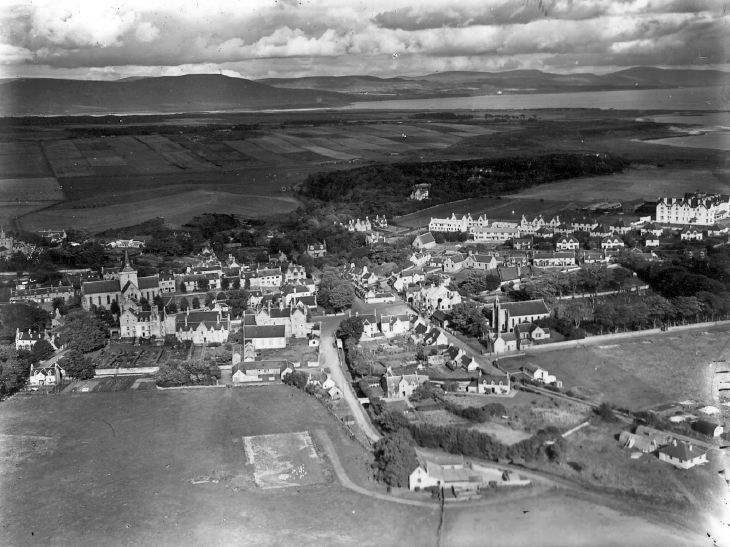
282	460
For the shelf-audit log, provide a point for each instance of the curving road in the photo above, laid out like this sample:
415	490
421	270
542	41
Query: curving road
328	358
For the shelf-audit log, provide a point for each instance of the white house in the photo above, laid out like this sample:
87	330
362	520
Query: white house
435	297
401	387
429	474
394	325
493	234
424	241
46	375
691	234
682	454
612	242
567	243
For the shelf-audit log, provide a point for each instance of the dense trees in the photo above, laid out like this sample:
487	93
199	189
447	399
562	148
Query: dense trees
185	373
395	458
476	282
77	366
85	331
469	319
350	329
384	189
14	370
334	292
21	316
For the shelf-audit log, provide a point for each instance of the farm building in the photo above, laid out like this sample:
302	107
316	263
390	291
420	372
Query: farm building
642	443
708	428
456	476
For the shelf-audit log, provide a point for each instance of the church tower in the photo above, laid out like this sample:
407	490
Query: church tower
127	273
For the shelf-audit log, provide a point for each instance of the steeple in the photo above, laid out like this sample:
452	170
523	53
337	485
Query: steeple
127	266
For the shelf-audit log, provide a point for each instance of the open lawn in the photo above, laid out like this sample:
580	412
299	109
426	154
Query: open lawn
169	468
641	372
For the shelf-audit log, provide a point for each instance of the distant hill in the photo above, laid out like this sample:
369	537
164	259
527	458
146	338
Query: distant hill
465	83
190	93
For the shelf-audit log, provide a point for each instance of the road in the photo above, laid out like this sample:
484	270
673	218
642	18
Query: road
328	358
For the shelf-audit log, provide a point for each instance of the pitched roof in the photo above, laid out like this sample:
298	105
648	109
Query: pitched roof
528	307
264	331
682	450
424	239
97	287
148	282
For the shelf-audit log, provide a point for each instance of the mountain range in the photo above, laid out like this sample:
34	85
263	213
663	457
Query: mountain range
213	92
164	94
465	83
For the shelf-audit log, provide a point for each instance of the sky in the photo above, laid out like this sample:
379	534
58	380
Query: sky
108	39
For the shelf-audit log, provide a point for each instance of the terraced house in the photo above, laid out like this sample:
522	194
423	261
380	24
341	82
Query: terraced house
694	208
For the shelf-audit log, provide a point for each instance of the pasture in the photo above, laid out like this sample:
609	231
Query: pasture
169	468
114	180
555	520
176	209
641	372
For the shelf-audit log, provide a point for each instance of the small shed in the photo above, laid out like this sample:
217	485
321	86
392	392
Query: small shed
711	429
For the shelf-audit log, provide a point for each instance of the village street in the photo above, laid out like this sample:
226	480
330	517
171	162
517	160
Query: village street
328	358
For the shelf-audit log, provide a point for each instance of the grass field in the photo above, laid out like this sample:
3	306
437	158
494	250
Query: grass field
169	468
555	520
643	372
633	184
176	209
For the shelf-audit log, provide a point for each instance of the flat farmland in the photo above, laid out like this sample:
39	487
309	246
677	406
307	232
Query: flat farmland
30	190
170	468
642	372
176	208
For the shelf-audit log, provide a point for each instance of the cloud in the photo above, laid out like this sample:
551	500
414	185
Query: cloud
146	32
382	37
